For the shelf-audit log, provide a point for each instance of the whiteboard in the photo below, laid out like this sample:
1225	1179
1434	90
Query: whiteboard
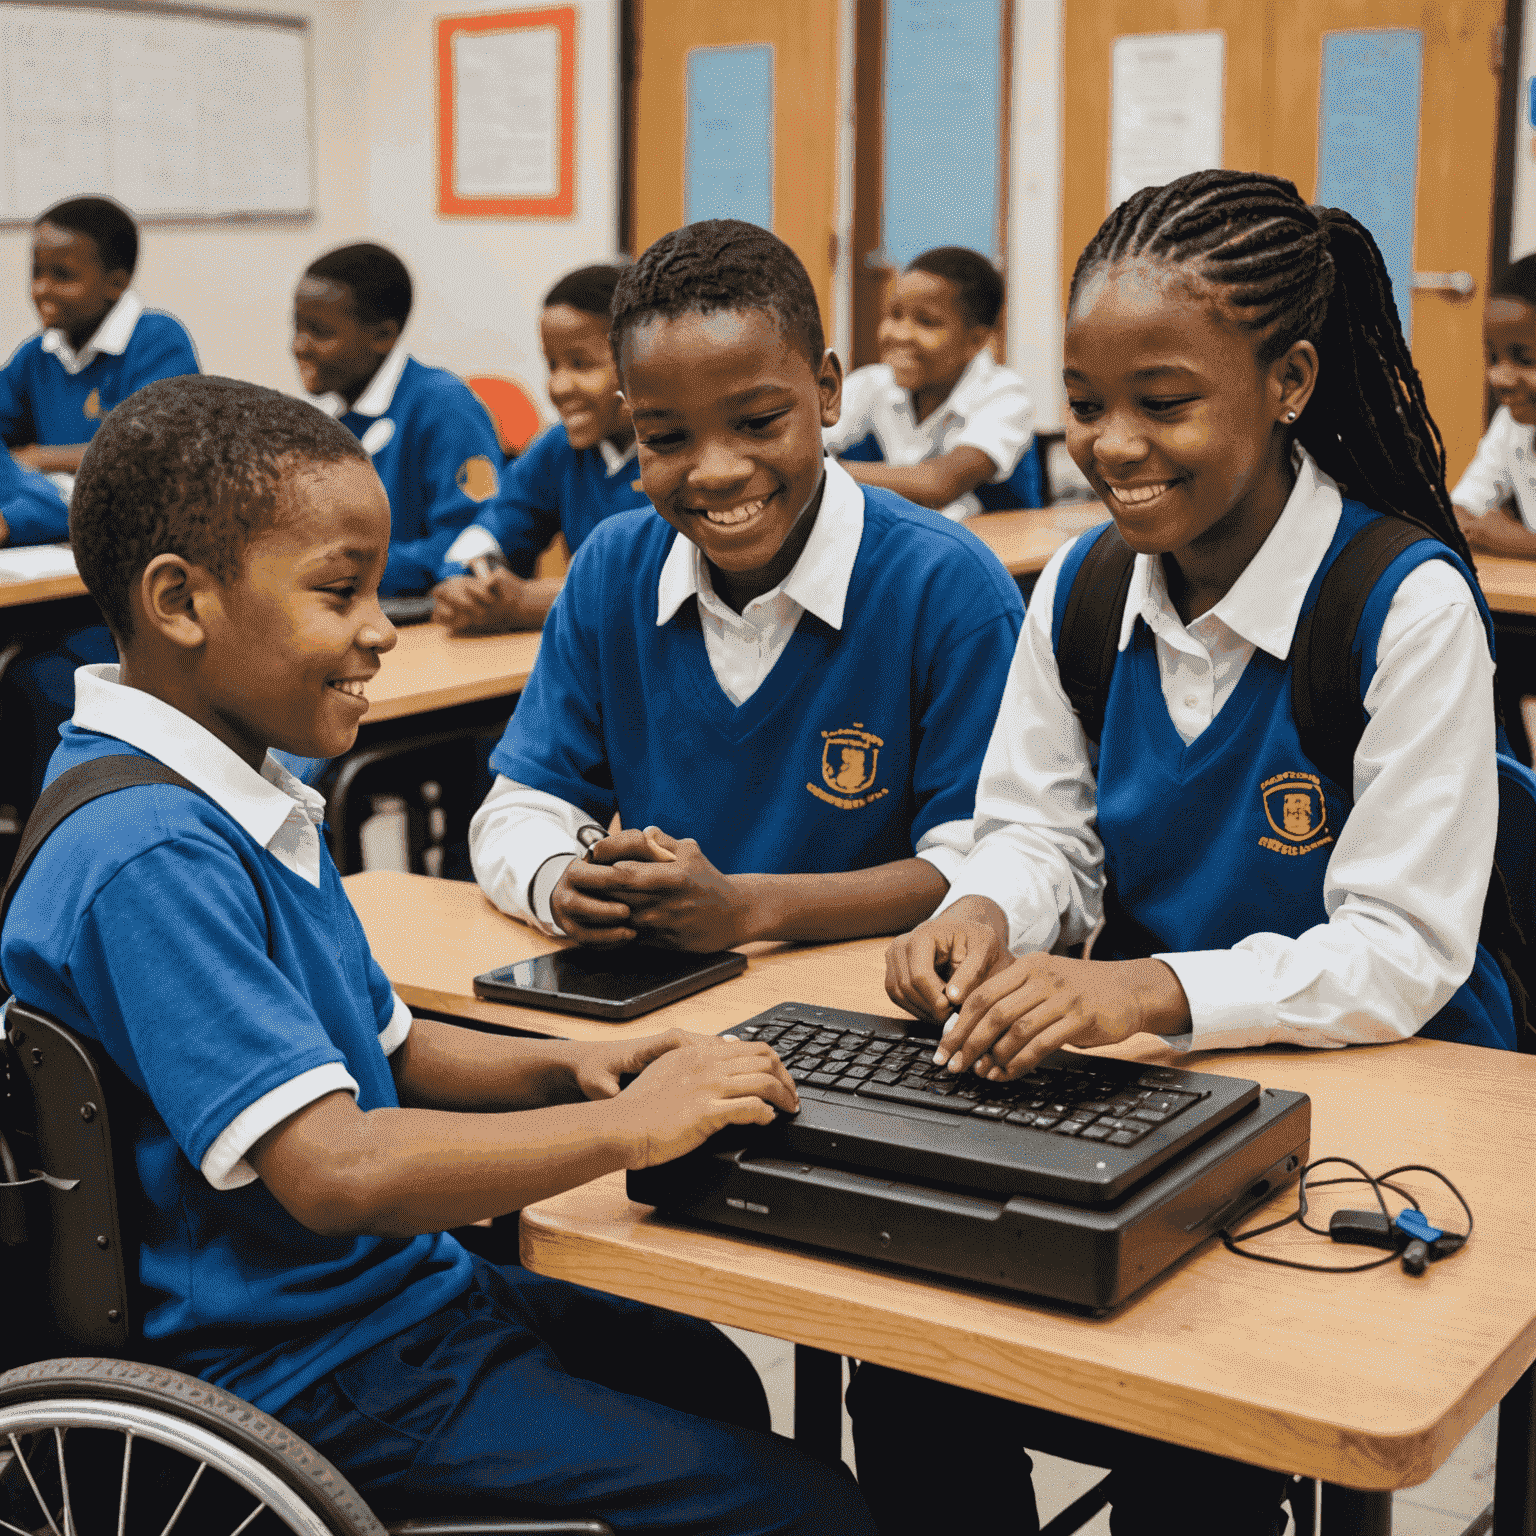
177	113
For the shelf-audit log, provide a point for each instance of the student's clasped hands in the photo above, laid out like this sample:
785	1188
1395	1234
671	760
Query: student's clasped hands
648	885
1010	1015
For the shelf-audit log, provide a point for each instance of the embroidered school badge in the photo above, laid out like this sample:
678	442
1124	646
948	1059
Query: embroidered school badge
477	478
93	405
850	760
1295	809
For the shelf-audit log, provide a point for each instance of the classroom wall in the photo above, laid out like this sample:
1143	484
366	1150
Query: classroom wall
478	282
1522	234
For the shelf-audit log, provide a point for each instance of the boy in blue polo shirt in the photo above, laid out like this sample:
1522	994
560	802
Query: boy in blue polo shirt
567	480
430	439
788	681
303	1141
936	419
99	343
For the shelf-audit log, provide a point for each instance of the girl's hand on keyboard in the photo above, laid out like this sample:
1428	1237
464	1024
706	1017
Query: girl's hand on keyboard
932	970
1010	1023
683	1097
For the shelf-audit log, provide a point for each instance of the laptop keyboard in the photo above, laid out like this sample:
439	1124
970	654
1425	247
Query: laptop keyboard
1114	1103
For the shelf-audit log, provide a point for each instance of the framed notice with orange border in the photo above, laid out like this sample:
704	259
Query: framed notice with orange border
506	114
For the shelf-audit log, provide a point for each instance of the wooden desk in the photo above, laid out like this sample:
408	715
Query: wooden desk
1508	584
17	594
433	937
431	669
1025	541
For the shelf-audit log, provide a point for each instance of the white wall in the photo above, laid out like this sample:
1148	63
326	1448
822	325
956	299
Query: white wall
478	281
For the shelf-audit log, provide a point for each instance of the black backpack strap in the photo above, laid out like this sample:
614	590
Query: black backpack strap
72	789
1325	667
1089	640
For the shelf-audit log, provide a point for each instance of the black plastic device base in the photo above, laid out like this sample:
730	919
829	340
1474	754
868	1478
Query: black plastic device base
1094	1258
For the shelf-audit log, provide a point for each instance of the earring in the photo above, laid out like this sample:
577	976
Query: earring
1290	415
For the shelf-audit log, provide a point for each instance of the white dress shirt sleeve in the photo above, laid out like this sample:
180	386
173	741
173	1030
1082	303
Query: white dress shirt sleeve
856	421
475	541
1488	482
520	842
946	845
1001	425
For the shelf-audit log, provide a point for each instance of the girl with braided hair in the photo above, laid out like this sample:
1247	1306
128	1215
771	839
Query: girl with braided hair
1244	402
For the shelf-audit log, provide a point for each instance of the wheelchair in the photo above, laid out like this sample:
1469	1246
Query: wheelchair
93	1439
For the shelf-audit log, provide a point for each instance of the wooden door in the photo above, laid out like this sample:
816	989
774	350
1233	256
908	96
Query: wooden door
1274	65
804	37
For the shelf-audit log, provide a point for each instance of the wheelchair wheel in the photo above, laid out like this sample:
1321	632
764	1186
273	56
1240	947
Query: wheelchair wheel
114	1445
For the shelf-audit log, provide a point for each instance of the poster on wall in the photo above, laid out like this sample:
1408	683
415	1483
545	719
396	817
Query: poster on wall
507	114
1165	109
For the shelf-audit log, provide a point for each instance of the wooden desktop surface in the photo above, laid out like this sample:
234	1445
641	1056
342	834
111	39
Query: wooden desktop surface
15	594
431	669
1366	1380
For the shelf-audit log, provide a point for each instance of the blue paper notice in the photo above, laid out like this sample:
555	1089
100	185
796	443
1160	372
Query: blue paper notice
729	156
1368	143
943	105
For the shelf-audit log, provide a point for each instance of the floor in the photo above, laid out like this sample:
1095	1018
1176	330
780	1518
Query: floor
1444	1506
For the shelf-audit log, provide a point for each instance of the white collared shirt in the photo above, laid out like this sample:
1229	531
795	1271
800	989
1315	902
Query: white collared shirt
111	336
1405	881
376	399
282	815
522	839
989	408
1502	470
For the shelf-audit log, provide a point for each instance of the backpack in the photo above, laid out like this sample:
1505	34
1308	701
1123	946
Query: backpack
1327	705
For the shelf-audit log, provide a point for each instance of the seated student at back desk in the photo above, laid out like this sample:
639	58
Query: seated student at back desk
99	345
32	510
936	419
430	439
300	1140
566	481
1249	896
792	678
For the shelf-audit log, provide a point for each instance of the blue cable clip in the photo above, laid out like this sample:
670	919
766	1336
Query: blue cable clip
1416	1225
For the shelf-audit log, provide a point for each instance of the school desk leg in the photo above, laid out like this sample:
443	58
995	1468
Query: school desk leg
819	1402
1349	1512
1514	1471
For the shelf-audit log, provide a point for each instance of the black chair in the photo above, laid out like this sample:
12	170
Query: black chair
92	1438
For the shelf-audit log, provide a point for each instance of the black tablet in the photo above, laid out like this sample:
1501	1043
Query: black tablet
608	983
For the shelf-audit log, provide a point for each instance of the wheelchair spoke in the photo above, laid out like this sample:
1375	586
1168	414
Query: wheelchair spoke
122	1496
36	1491
258	1510
197	1477
5	1525
69	1514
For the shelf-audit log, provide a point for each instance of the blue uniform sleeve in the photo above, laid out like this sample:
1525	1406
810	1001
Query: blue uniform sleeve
460	463
175	978
16	425
30	503
956	703
554	740
160	351
525	514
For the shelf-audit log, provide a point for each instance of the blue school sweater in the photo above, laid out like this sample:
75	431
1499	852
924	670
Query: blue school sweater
1254	817
41	403
436	451
553	488
856	744
30	503
144	923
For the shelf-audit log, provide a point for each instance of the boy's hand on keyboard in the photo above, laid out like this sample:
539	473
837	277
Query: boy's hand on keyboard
674	895
932	970
687	1094
1011	1022
600	1065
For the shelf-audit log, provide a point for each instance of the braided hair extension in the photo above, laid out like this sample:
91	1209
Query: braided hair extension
1287	273
719	264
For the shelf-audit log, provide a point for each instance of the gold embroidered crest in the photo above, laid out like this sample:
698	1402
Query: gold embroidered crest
850	762
1295	808
93	405
477	478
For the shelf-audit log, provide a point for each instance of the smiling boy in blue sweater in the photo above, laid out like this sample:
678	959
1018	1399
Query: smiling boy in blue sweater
789	679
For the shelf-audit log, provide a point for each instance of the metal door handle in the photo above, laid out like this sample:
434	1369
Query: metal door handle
1463	284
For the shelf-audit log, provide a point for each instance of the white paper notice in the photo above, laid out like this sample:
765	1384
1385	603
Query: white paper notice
506	118
1165	109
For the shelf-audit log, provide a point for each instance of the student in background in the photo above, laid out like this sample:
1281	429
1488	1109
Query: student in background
936	419
566	481
782	683
430	439
99	343
32	510
303	1142
1232	355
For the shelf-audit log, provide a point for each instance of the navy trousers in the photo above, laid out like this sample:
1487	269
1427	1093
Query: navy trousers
934	1458
533	1397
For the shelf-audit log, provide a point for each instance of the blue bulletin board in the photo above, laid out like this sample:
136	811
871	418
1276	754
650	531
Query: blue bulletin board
728	157
1368	141
943	106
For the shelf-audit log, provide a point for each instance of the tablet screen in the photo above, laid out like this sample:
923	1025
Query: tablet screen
610	976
